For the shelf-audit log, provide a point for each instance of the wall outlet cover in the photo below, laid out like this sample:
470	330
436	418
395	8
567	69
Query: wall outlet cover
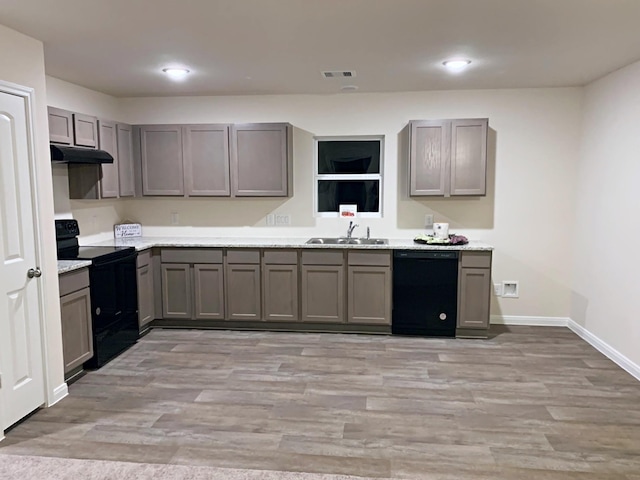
497	289
510	289
428	221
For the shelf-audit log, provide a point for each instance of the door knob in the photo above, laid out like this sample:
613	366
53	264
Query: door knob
34	272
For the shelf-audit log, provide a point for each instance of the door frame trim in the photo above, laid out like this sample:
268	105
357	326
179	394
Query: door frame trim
28	94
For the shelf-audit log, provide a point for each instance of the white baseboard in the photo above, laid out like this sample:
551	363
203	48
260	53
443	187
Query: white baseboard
529	321
606	349
59	393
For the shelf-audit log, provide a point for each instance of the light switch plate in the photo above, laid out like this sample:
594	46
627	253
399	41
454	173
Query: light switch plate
497	289
428	221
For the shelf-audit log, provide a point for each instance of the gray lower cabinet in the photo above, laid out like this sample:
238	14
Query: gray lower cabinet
75	309
192	281
146	300
208	291
176	291
447	157
242	285
369	288
261	159
322	286
280	286
474	290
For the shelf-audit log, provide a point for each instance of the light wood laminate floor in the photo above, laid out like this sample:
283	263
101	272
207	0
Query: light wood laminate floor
530	402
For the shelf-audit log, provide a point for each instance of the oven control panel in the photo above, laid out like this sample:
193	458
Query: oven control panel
67	228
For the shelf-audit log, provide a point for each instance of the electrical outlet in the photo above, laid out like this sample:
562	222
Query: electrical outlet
497	289
271	220
175	218
283	219
428	221
510	289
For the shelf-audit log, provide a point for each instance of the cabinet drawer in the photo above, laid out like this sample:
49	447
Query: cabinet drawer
322	257
243	256
144	258
280	257
73	281
191	255
381	259
476	259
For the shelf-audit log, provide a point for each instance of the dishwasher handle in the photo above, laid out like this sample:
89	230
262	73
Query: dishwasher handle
426	254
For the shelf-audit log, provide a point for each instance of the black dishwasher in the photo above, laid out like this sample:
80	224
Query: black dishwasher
425	291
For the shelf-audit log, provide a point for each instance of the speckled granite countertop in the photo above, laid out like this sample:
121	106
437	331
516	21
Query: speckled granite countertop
65	266
144	243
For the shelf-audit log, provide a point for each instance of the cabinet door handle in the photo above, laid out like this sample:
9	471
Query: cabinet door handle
34	272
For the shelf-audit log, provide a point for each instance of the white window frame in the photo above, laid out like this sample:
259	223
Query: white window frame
347	176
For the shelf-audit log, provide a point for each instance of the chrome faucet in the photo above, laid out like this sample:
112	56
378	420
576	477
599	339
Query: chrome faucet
351	228
368	233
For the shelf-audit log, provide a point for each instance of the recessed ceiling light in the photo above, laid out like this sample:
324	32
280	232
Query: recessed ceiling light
349	88
456	64
176	73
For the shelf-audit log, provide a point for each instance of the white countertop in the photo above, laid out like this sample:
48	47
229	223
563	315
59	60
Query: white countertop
144	243
65	266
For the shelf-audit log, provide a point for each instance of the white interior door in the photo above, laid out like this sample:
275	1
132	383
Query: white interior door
21	366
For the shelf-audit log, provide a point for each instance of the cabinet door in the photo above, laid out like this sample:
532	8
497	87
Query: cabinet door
109	186
176	290
259	160
206	160
280	292
145	295
474	295
322	293
429	157
85	130
60	126
208	291
469	156
369	295
77	337
161	158
125	160
243	292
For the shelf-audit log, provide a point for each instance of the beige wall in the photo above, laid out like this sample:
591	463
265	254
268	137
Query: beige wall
605	280
533	147
526	214
22	62
94	217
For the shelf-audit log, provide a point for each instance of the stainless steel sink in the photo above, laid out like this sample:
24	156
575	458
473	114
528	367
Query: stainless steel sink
347	241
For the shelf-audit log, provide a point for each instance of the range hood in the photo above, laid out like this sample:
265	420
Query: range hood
64	154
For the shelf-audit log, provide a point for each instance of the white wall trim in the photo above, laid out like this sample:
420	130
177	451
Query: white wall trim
59	393
530	321
606	349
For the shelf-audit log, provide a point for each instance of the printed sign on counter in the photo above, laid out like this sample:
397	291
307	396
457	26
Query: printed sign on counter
348	211
127	230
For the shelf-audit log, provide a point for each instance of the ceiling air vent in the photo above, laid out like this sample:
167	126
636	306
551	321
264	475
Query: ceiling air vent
339	74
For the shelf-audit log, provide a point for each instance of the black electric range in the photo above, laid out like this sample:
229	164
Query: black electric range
113	289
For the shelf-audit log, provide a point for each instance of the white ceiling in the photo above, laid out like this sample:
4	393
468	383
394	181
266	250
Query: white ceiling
236	47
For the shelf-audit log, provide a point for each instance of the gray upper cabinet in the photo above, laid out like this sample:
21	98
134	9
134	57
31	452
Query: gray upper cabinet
260	160
448	157
85	130
60	126
69	128
125	160
161	160
206	160
109	187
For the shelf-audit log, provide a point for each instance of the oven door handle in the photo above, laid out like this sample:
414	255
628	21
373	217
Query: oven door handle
117	260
